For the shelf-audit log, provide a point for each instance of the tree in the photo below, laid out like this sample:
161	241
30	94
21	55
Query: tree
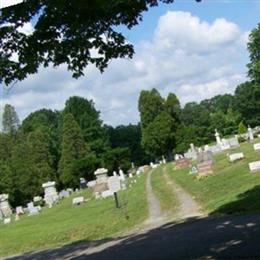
73	148
88	119
159	137
242	128
254	55
173	107
10	119
150	104
247	102
68	32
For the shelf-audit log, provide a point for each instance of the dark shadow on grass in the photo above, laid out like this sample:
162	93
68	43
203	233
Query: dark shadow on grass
247	202
197	238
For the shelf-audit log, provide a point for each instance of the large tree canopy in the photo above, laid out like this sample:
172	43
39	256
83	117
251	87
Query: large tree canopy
75	33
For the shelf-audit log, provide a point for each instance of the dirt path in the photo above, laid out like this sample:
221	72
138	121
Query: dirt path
188	207
155	214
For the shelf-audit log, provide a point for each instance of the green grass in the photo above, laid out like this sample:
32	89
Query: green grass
232	188
65	223
163	190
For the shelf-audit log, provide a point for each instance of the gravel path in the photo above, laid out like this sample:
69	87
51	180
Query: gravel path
155	214
188	207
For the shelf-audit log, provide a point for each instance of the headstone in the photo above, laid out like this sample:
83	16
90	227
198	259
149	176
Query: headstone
64	194
32	210
236	156
257	146
7	220
19	210
91	184
114	173
218	140
193	170
233	142
50	194
82	183
101	175
5	208
106	193
225	144
37	199
114	184
214	148
77	200
121	175
100	187
205	168
163	160
182	163
254	166
250	133
205	156
130	175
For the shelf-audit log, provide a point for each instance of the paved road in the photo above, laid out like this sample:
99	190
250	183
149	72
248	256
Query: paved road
206	238
196	238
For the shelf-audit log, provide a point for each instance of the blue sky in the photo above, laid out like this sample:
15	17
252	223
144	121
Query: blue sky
195	50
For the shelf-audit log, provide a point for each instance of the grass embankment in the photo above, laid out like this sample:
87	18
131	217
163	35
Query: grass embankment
232	188
65	223
163	190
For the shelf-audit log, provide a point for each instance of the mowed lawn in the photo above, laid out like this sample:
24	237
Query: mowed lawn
233	189
65	223
163	190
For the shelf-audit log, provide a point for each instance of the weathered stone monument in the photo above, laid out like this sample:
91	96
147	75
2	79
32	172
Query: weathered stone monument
217	136
32	210
101	175
250	133
50	194
5	209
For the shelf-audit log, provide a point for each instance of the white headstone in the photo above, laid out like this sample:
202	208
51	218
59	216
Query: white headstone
236	156
121	175
101	175
218	140
250	133
7	220
5	208
257	146
106	193
78	200
254	166
50	194
114	184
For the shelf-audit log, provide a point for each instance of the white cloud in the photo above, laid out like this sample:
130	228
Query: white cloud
193	58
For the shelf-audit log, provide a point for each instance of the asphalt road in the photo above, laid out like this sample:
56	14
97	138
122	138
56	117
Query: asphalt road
206	238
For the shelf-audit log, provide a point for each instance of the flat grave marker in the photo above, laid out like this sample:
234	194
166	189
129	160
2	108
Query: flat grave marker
236	156
257	146
254	166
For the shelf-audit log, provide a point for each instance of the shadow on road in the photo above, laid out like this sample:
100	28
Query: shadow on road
197	238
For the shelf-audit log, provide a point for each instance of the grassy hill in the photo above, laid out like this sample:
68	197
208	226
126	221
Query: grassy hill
232	188
65	223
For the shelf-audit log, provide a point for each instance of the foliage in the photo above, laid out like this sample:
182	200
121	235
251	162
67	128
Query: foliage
242	128
254	55
10	119
73	148
117	158
63	35
89	122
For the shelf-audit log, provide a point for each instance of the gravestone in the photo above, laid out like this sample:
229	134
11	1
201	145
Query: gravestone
7	220
250	133
235	156
106	193
214	148
19	210
217	136
257	146
205	168
32	210
37	199
63	194
50	194
254	166
91	184
233	142
182	162
78	200
205	156
5	208
225	144
83	183
114	184
121	175
101	175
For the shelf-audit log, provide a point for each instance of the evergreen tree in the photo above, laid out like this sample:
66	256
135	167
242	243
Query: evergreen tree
73	148
242	128
10	119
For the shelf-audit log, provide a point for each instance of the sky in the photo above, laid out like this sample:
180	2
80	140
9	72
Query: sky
195	50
